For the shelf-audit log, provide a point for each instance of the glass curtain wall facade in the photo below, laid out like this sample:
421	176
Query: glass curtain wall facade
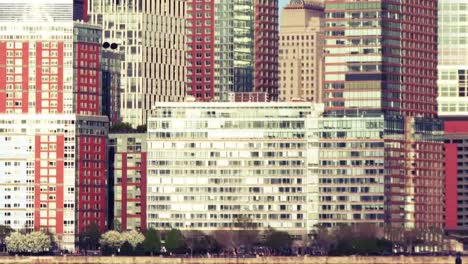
211	164
246	47
234	46
243	36
381	63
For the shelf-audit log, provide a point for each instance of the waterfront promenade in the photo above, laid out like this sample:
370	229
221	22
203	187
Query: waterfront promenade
266	260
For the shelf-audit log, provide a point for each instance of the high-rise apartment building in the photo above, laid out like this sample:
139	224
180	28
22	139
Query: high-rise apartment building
201	47
91	170
151	37
210	164
384	147
266	42
37	174
86	69
128	169
453	107
91	134
301	51
233	47
50	107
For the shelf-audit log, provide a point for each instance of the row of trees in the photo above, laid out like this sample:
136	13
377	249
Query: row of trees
350	240
359	239
244	238
231	242
368	239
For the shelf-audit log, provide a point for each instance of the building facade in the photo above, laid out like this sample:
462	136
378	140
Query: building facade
79	10
453	59
128	172
50	86
91	133
233	47
351	170
266	45
37	169
301	51
248	97
380	73
110	83
151	38
91	162
452	78
201	49
211	164
86	69
456	147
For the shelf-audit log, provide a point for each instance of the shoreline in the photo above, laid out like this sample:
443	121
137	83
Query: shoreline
258	260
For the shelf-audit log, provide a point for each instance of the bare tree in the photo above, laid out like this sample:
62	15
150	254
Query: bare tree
225	240
322	239
368	231
193	239
246	233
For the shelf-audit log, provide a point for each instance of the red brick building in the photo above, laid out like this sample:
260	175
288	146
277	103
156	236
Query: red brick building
91	145
50	91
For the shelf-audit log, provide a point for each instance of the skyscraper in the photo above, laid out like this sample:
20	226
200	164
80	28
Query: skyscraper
266	42
151	38
301	51
201	47
382	147
91	133
50	119
233	47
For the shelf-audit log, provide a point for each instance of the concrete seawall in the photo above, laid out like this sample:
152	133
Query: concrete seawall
269	260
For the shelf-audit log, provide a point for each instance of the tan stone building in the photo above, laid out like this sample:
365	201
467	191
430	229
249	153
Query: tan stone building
301	51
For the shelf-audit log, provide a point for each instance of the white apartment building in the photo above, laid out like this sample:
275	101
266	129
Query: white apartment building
37	174
453	58
212	163
52	137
